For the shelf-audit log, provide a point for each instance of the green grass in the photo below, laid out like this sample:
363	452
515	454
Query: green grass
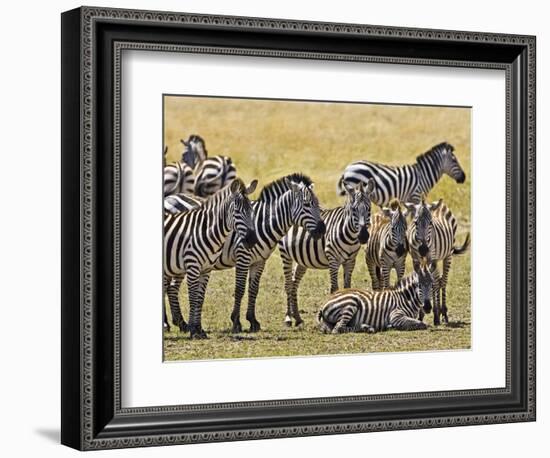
269	139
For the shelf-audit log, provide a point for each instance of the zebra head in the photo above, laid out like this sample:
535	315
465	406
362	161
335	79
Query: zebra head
422	224
450	164
240	212
398	227
305	209
358	207
194	151
424	286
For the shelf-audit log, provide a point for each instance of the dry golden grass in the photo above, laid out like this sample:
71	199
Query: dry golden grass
269	139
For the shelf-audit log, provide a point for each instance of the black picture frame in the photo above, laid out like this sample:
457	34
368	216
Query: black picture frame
92	416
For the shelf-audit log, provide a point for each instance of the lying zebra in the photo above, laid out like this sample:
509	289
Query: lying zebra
192	241
355	310
406	183
387	246
346	230
432	236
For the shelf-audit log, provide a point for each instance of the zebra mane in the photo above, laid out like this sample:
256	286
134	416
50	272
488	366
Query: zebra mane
280	186
434	150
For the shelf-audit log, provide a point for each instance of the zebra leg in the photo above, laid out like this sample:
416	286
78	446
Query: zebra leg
289	285
165	323
400	269
173	290
345	317
196	285
256	272
373	276
241	273
349	266
444	279
299	272
333	267
402	322
385	277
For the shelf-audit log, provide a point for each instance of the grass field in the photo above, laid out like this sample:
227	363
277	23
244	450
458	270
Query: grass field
269	139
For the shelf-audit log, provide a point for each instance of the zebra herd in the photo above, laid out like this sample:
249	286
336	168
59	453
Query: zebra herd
210	224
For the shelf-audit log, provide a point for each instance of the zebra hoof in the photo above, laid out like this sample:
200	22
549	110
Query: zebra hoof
288	322
299	323
255	326
184	327
237	328
199	334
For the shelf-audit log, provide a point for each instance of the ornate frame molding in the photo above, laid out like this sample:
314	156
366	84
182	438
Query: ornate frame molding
89	436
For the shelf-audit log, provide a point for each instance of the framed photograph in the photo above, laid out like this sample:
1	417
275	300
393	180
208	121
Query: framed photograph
276	228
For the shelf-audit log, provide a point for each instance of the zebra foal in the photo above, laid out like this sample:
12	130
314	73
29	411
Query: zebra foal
406	183
192	241
347	228
432	237
387	246
356	310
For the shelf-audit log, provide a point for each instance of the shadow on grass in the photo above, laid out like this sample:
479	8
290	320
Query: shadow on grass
457	324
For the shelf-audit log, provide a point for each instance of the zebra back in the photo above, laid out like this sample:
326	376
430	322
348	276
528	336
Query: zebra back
178	179
176	203
213	174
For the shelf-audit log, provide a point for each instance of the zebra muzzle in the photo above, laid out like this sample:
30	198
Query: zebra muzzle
427	306
400	249
423	249
461	178
363	234
319	230
250	239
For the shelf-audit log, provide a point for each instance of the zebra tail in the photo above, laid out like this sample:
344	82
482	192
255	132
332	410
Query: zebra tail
461	250
340	191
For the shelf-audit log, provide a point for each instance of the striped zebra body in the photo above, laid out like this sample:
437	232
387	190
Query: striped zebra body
432	237
372	311
406	183
213	174
192	241
346	230
387	246
177	203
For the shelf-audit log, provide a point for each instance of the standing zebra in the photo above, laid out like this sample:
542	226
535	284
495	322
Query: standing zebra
213	174
283	203
192	241
346	230
387	246
356	310
406	183
178	176
431	236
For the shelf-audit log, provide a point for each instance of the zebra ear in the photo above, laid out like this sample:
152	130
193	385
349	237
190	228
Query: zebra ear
369	186
251	187
349	188
184	142
386	212
435	205
235	186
